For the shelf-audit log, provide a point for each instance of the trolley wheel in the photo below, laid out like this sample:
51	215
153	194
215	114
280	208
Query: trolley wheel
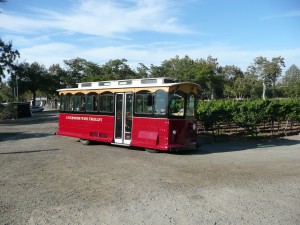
85	142
151	150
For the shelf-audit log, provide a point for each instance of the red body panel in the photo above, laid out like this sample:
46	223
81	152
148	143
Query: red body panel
89	127
157	133
152	133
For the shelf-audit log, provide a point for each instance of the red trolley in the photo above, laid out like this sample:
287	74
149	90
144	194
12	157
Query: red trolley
158	114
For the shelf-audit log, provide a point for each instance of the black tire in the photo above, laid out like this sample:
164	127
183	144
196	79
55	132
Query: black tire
151	150
85	142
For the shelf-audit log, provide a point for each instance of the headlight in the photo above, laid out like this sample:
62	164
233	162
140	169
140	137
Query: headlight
174	132
194	126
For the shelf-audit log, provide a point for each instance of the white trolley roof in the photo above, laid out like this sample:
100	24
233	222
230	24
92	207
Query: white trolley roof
134	83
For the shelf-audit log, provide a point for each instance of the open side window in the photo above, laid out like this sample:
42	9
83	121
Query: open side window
92	102
107	102
190	105
143	102
160	103
79	102
69	102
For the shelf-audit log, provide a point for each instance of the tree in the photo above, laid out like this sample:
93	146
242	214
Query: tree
291	81
230	74
92	72
55	80
32	77
7	58
267	71
247	86
5	93
181	69
158	71
117	69
74	71
142	71
207	74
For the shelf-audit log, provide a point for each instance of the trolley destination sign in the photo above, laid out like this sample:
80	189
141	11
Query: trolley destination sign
84	118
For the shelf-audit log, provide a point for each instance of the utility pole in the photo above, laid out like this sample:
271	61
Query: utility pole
17	89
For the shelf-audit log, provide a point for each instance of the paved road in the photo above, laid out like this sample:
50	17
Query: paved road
47	179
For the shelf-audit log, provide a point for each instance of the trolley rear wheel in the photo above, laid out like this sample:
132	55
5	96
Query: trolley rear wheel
85	142
151	150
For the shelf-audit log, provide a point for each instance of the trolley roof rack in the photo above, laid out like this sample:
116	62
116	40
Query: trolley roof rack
145	82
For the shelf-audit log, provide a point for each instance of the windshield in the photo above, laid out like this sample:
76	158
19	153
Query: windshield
177	99
182	104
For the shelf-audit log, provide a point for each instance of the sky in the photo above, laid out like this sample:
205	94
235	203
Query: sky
151	31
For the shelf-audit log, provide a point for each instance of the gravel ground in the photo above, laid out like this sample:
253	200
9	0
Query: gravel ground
48	179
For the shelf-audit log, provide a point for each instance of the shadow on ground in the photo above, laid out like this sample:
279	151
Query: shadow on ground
242	146
37	118
20	135
30	151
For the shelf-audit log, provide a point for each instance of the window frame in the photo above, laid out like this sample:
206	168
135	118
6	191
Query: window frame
177	112
189	95
112	101
94	103
145	98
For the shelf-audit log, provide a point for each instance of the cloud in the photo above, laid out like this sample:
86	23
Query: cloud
295	13
153	53
100	18
95	29
48	54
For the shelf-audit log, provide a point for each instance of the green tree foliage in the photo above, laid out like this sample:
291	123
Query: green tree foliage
92	72
247	87
291	82
208	74
30	77
216	82
74	71
117	70
249	114
267	71
7	58
181	69
142	71
205	72
55	79
158	71
230	74
213	113
5	93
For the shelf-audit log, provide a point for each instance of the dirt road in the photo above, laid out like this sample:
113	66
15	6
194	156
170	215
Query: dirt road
47	179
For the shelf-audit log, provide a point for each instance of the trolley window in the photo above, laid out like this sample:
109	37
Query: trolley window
177	99
190	105
160	101
68	102
149	81
144	101
107	102
62	103
92	102
79	102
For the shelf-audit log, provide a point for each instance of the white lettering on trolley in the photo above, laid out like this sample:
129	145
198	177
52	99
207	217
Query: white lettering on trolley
84	118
